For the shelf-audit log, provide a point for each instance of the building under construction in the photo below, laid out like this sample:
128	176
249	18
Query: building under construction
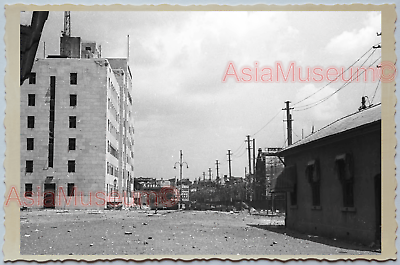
77	131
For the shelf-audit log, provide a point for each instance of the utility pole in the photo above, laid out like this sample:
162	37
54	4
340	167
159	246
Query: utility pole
254	156
230	166
209	173
180	174
217	164
249	152
289	122
204	176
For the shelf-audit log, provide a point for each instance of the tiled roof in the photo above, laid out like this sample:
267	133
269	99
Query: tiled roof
352	121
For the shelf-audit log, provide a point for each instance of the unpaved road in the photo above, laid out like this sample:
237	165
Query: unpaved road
50	232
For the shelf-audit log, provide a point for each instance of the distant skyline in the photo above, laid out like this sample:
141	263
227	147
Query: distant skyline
178	61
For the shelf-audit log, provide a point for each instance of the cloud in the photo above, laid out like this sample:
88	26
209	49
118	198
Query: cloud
355	42
325	111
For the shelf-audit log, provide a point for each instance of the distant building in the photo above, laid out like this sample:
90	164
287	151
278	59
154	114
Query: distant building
77	133
333	179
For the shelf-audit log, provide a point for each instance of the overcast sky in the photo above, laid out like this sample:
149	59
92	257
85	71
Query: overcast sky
178	61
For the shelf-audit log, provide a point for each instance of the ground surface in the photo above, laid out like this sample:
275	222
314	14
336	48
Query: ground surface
50	232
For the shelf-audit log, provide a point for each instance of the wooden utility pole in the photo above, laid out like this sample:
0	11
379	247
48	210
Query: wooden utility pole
289	122
229	163
254	156
249	152
217	164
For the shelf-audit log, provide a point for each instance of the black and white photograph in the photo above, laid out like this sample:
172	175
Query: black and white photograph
208	133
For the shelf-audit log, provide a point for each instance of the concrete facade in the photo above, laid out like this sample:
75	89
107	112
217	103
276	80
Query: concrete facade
94	167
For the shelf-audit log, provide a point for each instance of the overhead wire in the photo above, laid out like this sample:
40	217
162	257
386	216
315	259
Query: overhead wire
336	77
311	105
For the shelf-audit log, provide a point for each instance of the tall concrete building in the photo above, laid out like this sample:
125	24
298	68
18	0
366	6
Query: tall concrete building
77	130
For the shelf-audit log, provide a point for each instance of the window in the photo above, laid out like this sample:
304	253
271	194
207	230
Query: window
72	121
73	78
313	177
87	48
32	78
28	189
30	143
71	189
71	144
31	122
31	99
344	172
71	166
29	166
73	99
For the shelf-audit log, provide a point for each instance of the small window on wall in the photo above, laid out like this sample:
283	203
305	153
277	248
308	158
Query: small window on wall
29	143
71	166
313	177
71	189
345	174
32	78
29	166
28	189
71	144
31	100
73	78
72	121
31	122
73	100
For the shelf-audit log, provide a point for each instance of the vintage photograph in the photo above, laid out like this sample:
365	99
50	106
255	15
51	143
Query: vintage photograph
202	133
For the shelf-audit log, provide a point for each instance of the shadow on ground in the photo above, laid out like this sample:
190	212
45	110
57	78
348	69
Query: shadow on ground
281	229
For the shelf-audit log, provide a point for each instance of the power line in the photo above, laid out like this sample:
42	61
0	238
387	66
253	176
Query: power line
311	105
267	123
372	100
338	75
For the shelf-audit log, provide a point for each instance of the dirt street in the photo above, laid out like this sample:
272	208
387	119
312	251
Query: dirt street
51	232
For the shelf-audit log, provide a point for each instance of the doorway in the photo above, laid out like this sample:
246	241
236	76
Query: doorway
49	195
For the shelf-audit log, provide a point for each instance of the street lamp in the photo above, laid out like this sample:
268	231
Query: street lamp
180	163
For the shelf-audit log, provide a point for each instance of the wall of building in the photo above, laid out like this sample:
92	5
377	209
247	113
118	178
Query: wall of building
332	219
90	131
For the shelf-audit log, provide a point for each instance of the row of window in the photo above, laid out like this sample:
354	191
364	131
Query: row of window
73	78
29	166
30	144
73	100
31	122
344	173
29	189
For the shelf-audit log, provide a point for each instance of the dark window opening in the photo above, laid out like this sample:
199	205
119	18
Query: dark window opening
29	166
32	78
28	189
72	121
73	99
31	99
71	189
31	122
71	166
88	48
30	143
72	144
73	78
312	173
344	172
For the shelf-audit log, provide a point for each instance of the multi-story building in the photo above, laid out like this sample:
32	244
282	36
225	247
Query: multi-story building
76	128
